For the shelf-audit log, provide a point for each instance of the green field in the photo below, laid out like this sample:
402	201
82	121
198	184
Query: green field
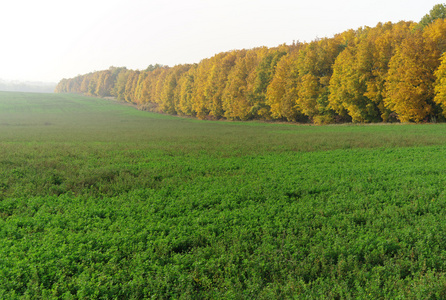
101	201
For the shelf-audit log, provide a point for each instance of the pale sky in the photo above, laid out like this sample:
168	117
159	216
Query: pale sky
47	40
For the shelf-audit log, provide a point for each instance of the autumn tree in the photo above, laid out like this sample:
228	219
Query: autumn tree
382	42
171	92
315	68
435	36
364	75
440	85
105	84
221	65
186	93
282	92
200	105
61	87
158	88
409	81
348	85
264	75
237	101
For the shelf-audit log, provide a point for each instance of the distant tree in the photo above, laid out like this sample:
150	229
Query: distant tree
352	72
121	81
315	66
61	86
364	75
264	75
200	102
158	87
171	92
105	84
382	42
92	84
186	83
437	12
151	67
410	79
440	87
222	65
239	88
139	97
282	92
130	87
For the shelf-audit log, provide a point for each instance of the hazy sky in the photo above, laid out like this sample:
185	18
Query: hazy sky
47	40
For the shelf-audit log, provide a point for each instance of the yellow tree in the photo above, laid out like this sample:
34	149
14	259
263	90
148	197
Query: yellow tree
221	65
357	86
282	91
105	84
435	34
139	90
130	87
382	42
435	41
186	84
73	84
264	74
167	95
440	85
240	85
158	87
170	93
308	94
147	84
92	83
315	64
250	107
348	84
234	100
62	86
200	102
119	89
409	80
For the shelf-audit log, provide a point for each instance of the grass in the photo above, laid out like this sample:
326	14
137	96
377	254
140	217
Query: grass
99	200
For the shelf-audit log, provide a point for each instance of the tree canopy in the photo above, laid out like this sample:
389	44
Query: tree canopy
393	71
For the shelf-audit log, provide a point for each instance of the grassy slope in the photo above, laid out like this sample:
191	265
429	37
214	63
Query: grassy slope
101	200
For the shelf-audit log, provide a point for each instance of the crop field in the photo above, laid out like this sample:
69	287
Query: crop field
101	201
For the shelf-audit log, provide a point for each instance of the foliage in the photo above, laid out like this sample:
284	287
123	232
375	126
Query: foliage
384	73
440	87
408	81
437	12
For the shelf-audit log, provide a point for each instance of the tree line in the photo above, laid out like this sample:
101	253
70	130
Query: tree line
390	72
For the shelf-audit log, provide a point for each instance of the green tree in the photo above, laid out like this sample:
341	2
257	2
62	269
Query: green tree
437	12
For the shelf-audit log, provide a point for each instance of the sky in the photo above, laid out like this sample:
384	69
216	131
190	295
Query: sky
47	40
